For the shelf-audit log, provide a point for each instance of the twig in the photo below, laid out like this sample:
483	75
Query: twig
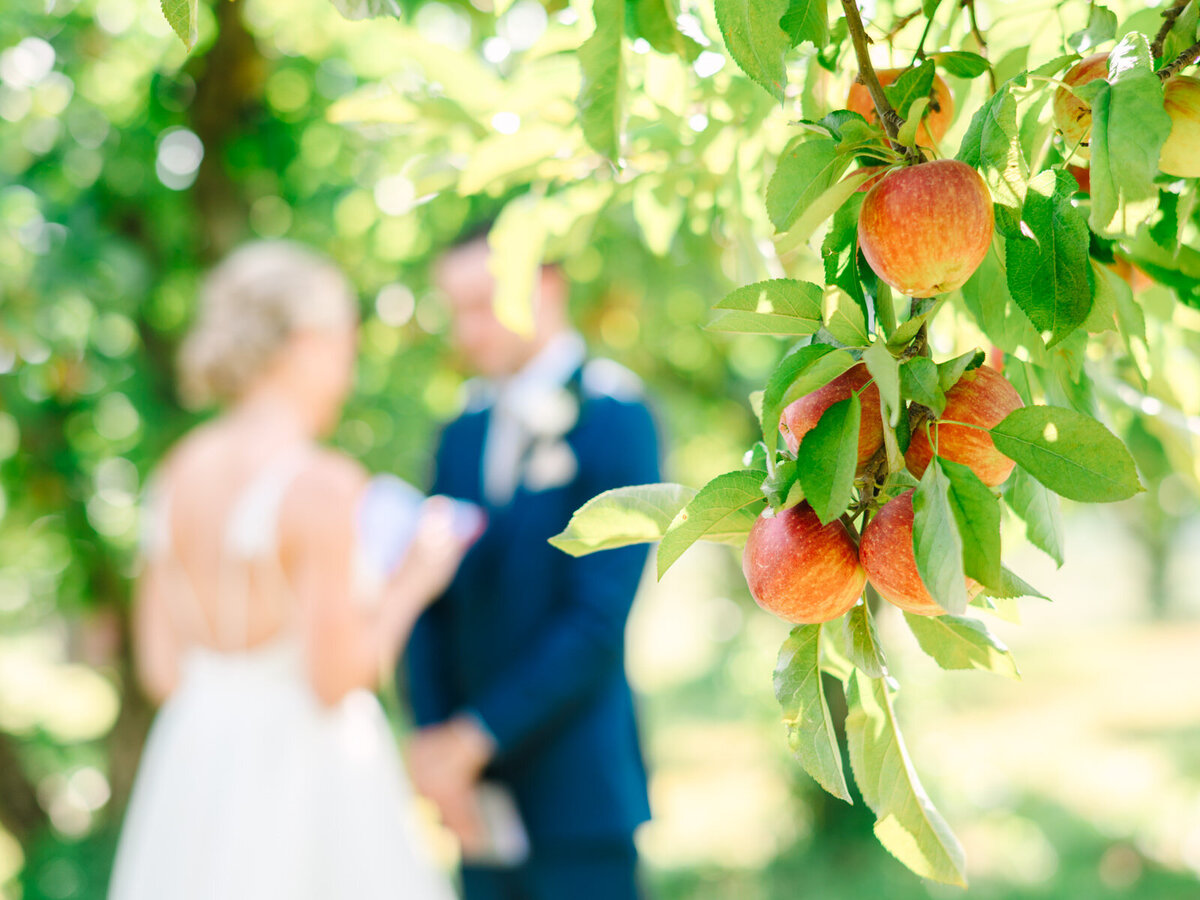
887	114
1181	62
920	54
979	39
899	25
1169	16
918	345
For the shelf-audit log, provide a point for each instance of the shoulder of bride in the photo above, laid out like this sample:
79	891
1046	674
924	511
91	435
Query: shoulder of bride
606	378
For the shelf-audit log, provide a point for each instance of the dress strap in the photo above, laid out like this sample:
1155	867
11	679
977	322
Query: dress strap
252	536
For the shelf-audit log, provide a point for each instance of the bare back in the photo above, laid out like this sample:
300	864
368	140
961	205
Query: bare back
236	504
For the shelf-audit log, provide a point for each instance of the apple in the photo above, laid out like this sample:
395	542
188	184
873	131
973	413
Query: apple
1072	116
799	569
938	115
886	551
801	416
981	397
925	228
1180	154
1082	176
1131	274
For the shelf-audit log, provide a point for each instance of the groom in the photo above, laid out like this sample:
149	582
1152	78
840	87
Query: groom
516	676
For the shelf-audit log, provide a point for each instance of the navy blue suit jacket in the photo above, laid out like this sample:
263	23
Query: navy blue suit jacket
532	640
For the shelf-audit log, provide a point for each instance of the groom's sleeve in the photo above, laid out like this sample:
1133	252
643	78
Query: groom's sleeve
425	665
575	651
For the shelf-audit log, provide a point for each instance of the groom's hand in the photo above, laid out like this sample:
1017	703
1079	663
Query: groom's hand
453	752
446	761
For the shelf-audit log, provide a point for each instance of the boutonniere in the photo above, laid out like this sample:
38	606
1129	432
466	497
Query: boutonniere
550	414
551	464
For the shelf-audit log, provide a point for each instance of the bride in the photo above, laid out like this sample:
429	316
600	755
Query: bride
262	625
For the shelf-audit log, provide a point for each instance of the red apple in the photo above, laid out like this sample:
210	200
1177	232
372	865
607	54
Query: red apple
1180	155
1072	116
799	569
925	228
938	115
981	397
1082	176
1133	275
802	416
886	551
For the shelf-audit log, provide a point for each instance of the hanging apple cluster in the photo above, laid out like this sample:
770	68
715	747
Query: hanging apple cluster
883	474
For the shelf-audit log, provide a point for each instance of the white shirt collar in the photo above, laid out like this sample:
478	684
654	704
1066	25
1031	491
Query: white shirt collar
549	369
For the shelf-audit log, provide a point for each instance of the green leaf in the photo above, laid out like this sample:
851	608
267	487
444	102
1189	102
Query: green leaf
839	250
1038	509
1048	272
937	546
992	144
779	306
907	823
723	511
805	171
1129	125
807	20
1184	31
828	457
822	207
847	325
756	40
960	63
957	642
914	83
1101	27
623	516
907	135
356	10
929	7
800	372
1013	586
950	371
885	369
919	381
181	15
655	20
1070	453
601	96
861	641
811	736
977	512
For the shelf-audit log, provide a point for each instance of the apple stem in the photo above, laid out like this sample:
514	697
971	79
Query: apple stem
979	39
866	72
1169	15
920	54
1181	62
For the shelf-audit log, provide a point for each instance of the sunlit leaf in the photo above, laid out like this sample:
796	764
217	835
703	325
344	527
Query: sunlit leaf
1070	453
623	516
958	642
723	510
181	15
907	823
805	711
601	97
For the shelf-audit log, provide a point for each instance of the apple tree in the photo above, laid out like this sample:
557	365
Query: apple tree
979	260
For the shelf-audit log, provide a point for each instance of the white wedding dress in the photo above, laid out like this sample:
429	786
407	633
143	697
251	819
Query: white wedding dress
249	786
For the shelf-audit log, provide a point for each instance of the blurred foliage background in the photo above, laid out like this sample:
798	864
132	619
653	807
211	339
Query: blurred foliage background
128	166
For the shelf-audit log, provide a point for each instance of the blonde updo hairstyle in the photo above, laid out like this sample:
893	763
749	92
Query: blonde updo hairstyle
249	306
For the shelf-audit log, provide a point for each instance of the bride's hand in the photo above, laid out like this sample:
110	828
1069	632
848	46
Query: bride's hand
434	554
